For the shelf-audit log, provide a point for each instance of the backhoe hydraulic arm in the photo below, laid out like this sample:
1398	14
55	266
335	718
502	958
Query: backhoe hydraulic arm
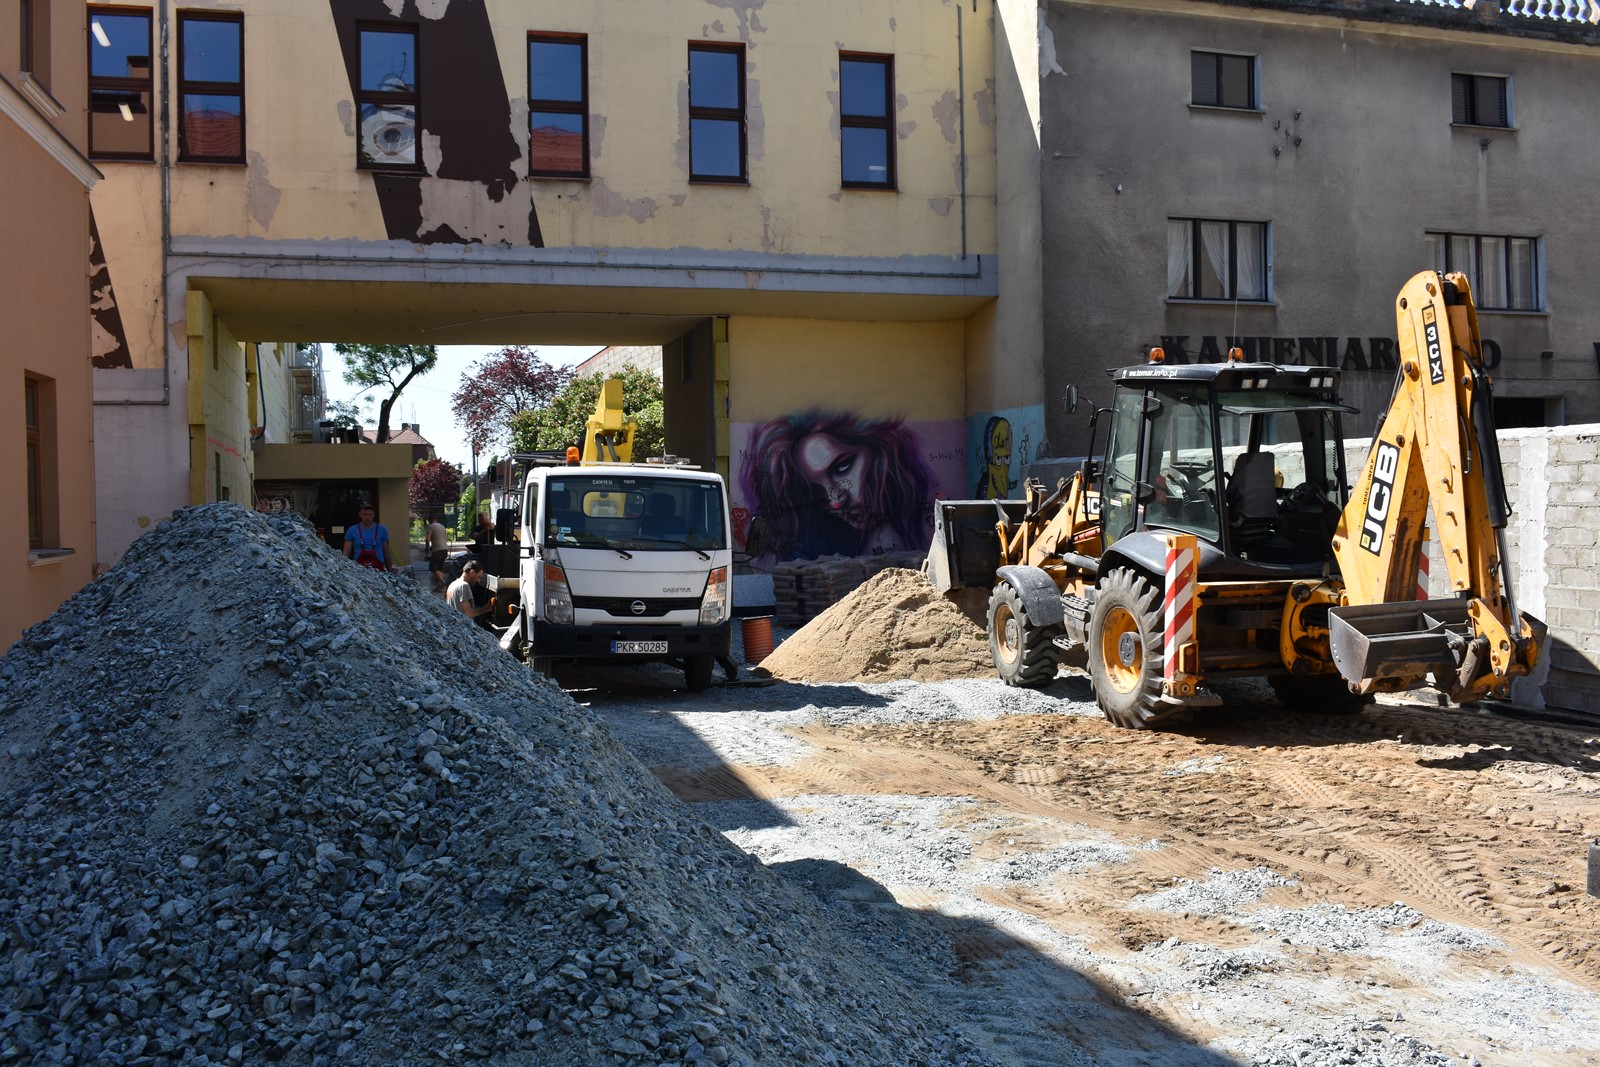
1436	446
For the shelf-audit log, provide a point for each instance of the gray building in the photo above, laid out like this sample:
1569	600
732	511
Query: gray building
1269	172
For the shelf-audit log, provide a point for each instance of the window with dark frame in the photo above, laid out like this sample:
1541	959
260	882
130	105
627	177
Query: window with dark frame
210	87
716	113
1502	269
866	121
31	420
120	83
1216	259
1479	100
1218	79
558	105
387	98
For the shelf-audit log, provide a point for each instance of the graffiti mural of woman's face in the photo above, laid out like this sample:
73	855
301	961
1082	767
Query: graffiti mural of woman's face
834	467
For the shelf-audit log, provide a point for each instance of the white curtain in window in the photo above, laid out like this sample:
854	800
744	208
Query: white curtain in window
1522	287
1252	275
1433	251
1464	258
1491	290
1214	239
1180	250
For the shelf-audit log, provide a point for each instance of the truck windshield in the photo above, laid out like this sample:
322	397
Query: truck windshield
638	512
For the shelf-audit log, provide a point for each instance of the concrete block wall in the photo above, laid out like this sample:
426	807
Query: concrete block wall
1553	549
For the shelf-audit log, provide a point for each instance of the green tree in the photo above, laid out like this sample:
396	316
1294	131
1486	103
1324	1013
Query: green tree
391	366
561	422
466	512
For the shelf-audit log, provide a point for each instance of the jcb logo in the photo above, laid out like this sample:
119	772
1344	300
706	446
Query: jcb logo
1380	498
1430	330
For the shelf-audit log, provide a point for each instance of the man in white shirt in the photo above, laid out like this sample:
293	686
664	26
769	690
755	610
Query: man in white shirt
464	595
438	549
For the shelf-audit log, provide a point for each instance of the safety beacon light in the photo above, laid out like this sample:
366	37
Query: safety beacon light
1235	355
1158	355
572	455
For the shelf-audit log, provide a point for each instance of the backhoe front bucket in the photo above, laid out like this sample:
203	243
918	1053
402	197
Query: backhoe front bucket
1389	647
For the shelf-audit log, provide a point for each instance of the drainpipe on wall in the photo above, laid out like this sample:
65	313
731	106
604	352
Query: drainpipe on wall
961	117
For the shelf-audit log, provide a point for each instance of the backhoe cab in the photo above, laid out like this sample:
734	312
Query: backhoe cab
1215	538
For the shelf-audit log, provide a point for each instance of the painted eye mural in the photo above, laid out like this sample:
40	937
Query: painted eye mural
830	483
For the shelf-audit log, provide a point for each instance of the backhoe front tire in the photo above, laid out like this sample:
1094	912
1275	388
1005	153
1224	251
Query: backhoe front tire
1319	694
1127	658
1024	654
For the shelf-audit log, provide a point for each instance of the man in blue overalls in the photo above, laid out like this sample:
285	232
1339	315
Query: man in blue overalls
368	542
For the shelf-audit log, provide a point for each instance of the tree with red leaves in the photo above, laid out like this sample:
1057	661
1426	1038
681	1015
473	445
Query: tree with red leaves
509	381
434	483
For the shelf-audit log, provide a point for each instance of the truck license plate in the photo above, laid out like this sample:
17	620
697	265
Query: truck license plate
639	647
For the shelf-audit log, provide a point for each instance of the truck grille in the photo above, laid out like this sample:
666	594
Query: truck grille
622	606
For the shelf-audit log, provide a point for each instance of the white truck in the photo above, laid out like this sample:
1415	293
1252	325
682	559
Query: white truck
622	561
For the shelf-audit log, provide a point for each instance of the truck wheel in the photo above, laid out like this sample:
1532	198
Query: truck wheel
697	672
1320	694
1126	657
1024	654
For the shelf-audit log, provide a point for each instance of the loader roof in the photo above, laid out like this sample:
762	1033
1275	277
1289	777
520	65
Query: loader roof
1231	375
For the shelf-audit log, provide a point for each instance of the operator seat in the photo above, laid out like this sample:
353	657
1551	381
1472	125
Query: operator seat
1252	500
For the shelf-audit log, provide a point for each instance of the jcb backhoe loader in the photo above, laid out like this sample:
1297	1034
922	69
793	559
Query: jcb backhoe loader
1215	537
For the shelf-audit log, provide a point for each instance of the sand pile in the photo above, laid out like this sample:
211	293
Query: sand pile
895	626
267	806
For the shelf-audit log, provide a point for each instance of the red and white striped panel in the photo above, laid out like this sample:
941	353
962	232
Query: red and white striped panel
1422	572
1182	559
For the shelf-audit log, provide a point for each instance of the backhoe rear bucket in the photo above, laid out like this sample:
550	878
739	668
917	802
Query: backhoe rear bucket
1397	643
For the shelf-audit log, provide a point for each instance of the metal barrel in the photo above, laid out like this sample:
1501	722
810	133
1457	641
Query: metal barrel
1398	642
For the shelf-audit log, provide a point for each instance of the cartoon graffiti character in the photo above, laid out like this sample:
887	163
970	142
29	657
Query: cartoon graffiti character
995	482
830	483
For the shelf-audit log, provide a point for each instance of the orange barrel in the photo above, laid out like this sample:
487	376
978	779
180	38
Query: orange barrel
757	634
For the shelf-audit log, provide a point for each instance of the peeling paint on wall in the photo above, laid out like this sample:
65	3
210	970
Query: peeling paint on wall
941	205
608	203
597	136
108	341
905	129
264	196
947	113
347	117
745	10
1047	48
467	134
983	100
754	119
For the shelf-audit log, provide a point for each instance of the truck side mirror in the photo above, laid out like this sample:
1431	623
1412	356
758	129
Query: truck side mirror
1070	401
755	538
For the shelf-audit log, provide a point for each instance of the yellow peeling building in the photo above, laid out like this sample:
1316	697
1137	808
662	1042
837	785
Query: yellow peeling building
797	199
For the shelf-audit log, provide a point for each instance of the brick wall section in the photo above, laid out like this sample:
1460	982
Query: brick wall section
1553	550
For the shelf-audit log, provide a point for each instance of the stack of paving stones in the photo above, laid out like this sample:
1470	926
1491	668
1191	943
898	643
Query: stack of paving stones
266	806
804	589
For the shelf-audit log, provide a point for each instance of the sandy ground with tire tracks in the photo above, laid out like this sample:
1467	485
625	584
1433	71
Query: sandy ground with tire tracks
1404	886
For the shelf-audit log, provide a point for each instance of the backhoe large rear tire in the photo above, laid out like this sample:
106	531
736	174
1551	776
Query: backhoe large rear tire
1320	694
1126	654
1024	654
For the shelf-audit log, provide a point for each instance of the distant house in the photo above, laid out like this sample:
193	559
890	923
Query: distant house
407	434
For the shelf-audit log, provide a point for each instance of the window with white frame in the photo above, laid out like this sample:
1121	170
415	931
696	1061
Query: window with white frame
1503	270
1216	259
1218	79
1480	100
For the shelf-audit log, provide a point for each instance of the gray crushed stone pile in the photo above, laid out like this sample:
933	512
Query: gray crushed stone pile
266	806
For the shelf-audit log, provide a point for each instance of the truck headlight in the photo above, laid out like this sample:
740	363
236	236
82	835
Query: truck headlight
714	605
557	596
